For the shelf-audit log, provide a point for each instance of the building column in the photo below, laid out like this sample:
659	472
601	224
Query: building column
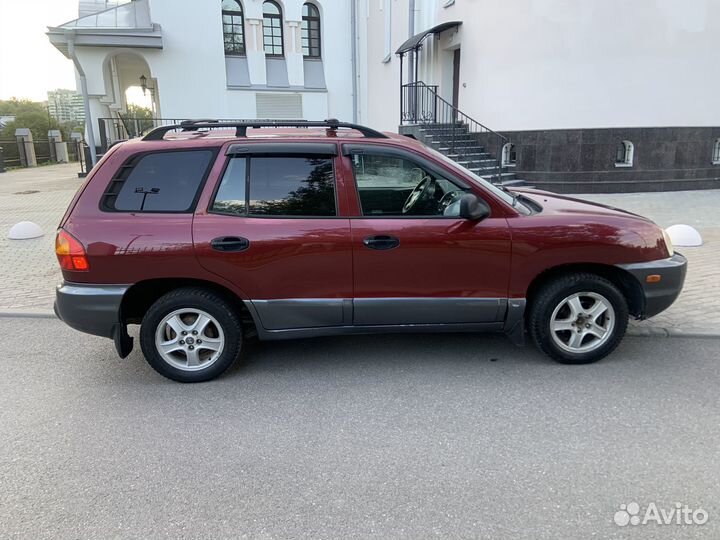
24	139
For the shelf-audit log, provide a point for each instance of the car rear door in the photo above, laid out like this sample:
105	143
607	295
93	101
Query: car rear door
423	266
272	225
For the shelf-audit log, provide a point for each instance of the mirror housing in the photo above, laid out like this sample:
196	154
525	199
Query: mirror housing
473	208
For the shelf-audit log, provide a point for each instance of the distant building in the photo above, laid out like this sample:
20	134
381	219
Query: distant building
66	106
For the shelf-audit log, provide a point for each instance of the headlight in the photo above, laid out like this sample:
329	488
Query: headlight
668	243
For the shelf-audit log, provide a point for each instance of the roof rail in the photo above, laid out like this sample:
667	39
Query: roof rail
241	127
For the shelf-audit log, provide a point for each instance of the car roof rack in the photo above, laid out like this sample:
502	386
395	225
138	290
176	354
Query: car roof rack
241	127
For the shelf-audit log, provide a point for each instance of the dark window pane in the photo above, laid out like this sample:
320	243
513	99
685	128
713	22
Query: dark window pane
167	182
292	186
230	198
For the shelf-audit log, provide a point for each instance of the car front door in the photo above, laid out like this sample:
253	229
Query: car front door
271	227
415	261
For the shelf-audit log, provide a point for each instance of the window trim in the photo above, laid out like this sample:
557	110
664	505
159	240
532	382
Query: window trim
716	152
139	156
308	19
353	149
279	17
629	154
248	157
241	13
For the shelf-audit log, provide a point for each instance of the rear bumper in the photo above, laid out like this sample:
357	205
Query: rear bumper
93	309
660	295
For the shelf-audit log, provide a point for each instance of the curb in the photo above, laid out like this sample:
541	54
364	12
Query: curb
658	331
634	331
40	314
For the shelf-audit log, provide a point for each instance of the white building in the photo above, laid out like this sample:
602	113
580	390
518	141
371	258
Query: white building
594	95
211	59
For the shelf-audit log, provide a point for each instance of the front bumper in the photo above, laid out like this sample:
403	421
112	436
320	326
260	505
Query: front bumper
94	309
660	295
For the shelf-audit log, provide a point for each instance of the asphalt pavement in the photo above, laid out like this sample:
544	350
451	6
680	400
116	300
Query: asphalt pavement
452	436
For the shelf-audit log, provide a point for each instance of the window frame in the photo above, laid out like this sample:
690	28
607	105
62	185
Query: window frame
132	161
716	152
308	19
287	154
273	16
628	154
241	13
353	149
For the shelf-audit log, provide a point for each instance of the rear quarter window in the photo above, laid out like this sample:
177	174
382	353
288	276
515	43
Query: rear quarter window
158	182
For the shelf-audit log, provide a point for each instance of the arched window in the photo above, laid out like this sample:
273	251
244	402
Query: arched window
624	155
716	153
509	156
310	31
233	27
272	29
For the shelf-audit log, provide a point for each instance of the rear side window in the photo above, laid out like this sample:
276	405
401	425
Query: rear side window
278	186
158	182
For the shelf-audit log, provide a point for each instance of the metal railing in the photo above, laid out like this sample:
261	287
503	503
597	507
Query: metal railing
420	104
113	130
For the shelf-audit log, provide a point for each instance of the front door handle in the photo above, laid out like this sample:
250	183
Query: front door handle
381	242
230	243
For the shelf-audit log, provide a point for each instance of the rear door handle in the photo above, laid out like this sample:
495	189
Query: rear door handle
230	243
381	242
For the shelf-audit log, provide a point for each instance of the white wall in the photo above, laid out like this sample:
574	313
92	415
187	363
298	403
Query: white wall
550	64
189	72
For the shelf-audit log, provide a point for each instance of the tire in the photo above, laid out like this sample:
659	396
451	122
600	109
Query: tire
578	318
212	337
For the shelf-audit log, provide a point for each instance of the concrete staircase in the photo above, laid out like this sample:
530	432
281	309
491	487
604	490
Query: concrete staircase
467	149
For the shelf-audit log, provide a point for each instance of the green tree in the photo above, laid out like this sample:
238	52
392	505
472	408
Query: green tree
34	115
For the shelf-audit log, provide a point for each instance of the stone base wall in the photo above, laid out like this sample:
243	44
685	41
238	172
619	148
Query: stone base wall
583	160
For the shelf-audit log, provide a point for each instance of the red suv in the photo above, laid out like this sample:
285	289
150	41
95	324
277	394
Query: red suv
206	233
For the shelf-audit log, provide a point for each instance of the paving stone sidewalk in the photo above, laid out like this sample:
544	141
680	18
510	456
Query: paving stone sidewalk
29	269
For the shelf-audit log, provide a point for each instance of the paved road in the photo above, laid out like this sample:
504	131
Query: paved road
383	437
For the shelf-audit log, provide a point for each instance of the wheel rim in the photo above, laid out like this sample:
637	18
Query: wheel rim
189	339
582	322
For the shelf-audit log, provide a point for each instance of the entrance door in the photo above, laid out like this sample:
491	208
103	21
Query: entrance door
456	78
415	261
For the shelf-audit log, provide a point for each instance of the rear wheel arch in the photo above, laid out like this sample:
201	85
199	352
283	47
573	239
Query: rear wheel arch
622	279
143	294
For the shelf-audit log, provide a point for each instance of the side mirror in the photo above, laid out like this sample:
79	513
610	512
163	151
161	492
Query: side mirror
473	208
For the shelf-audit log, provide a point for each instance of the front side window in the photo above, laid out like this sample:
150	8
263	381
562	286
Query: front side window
278	186
272	29
310	31
233	27
392	186
158	182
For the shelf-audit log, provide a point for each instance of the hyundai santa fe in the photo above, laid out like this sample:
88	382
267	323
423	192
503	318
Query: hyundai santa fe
208	233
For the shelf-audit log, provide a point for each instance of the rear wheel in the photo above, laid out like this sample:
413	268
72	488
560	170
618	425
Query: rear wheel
191	335
578	318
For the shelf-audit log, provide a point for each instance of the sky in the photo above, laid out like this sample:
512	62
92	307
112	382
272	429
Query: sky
29	64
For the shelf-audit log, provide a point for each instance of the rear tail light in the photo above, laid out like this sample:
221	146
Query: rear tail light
70	253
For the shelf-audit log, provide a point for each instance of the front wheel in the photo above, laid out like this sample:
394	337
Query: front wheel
191	335
578	318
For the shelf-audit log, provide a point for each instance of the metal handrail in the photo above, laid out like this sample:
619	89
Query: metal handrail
421	104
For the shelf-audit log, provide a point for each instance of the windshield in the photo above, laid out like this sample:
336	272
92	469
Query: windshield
505	196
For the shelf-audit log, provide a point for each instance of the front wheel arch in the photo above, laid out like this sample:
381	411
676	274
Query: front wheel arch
622	279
